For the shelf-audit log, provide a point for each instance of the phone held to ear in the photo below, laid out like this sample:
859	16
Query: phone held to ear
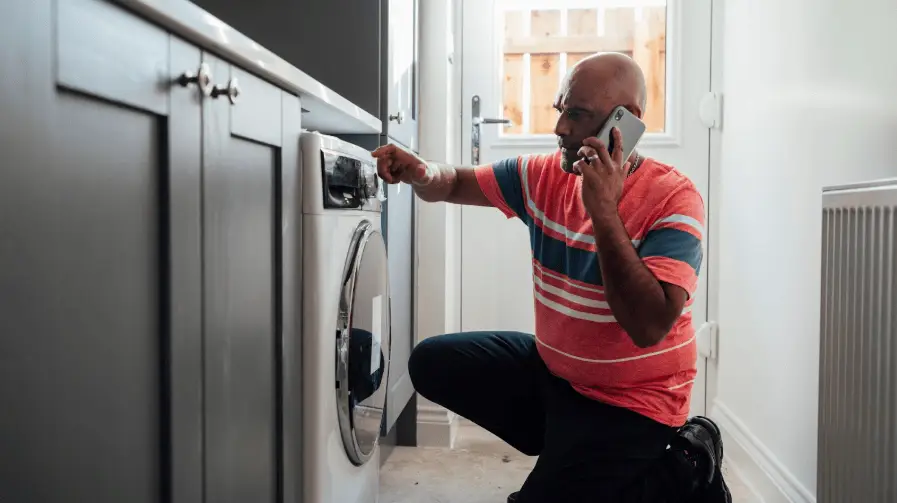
630	126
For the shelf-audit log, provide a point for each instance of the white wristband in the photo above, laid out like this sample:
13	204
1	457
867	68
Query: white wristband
432	172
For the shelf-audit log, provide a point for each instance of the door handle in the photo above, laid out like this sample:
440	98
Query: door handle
232	91
707	340
202	78
481	120
476	122
398	118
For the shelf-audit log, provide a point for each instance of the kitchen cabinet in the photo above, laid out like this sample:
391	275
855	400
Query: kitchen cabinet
145	291
400	122
337	43
366	50
91	306
401	71
242	162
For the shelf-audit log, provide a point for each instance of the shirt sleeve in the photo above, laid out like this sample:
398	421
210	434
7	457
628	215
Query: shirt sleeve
501	183
673	247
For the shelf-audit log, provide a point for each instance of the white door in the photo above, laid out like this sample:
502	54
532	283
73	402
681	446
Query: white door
514	53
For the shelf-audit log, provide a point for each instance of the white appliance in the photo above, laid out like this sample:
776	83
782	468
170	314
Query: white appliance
346	322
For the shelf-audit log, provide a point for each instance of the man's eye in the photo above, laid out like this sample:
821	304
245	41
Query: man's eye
574	115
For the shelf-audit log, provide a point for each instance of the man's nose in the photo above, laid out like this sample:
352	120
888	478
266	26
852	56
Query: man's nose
562	126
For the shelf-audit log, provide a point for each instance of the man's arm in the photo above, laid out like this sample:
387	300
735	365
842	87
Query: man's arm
498	184
432	182
452	184
645	307
646	289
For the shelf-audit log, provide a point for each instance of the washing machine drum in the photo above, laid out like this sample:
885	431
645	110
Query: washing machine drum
365	373
363	344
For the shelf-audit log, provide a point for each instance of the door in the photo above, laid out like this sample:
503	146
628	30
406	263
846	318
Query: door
401	72
399	233
99	258
363	344
514	54
250	140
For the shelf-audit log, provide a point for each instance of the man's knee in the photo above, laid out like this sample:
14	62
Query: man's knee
425	362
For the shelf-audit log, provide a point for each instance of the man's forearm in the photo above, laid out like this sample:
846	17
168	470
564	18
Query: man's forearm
634	295
438	184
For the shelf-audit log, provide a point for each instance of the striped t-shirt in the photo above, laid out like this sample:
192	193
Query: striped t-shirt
576	333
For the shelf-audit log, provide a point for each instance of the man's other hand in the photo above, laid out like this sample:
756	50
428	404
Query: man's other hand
603	174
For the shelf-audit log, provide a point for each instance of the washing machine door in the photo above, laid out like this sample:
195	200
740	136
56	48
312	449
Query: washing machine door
362	346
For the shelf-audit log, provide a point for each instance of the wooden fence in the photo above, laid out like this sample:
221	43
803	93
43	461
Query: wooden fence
536	58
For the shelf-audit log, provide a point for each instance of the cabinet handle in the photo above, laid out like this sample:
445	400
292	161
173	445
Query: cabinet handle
397	118
232	91
202	78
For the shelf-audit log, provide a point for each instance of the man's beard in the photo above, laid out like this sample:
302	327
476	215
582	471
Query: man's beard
567	164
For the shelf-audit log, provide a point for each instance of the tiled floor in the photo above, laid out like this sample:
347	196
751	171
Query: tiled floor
481	469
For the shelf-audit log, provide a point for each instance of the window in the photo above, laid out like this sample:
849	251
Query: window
540	45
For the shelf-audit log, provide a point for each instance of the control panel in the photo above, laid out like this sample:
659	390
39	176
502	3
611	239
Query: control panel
350	183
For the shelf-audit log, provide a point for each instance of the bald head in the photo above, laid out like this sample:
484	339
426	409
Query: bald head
592	89
612	76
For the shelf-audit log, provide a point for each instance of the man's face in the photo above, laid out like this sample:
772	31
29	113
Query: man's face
580	116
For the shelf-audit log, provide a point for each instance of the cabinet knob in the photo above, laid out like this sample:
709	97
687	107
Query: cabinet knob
232	91
202	78
397	118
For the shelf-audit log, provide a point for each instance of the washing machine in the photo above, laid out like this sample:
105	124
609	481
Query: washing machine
346	320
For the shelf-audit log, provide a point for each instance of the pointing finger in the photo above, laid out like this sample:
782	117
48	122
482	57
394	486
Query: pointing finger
384	150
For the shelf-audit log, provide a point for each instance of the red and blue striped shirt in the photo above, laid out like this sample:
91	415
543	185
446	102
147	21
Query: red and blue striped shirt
576	333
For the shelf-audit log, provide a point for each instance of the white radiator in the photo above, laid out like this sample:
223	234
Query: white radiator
858	346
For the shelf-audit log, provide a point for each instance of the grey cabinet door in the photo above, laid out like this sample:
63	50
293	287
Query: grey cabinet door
99	300
402	81
246	152
399	232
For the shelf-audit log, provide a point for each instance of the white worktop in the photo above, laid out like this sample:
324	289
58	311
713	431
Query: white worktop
323	109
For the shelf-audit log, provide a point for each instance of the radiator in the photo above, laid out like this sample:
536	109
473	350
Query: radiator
858	345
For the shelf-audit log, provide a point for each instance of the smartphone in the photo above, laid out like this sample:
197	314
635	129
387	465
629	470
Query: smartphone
630	126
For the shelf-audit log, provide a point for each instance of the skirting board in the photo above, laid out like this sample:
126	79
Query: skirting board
755	464
436	426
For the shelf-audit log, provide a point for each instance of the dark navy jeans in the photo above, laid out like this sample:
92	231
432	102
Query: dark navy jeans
588	451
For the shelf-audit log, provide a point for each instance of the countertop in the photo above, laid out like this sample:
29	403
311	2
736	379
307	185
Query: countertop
323	110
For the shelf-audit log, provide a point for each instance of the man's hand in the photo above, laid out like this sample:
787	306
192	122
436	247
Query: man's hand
431	182
396	165
603	174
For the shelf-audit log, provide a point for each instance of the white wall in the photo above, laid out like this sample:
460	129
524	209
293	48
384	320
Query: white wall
438	229
809	101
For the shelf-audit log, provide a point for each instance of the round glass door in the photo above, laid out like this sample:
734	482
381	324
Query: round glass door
363	343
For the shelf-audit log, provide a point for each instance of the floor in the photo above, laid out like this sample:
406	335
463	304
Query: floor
480	469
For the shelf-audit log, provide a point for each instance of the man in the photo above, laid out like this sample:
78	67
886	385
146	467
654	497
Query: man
603	387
